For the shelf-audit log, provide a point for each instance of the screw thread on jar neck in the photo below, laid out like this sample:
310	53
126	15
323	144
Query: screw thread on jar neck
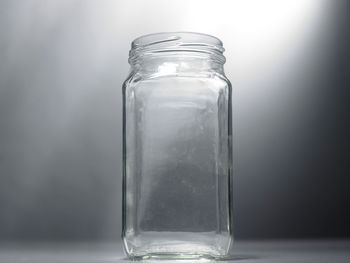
203	50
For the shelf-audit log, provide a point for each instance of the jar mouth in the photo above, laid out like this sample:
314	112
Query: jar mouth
189	44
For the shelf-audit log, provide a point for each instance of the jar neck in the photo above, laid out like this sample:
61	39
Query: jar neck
176	53
177	64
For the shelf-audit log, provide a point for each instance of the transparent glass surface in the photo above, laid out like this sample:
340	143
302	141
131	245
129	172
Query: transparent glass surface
177	150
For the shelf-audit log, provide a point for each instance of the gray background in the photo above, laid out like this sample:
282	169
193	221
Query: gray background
62	64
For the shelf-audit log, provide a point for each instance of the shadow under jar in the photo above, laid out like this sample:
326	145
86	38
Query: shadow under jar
177	181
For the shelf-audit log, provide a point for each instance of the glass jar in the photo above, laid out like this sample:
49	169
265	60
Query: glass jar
177	169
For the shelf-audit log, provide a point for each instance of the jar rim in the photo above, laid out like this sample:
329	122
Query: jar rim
190	43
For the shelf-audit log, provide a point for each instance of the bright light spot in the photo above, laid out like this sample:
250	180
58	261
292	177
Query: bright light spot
258	30
167	68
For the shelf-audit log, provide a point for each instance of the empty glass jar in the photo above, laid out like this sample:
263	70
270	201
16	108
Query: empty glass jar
177	181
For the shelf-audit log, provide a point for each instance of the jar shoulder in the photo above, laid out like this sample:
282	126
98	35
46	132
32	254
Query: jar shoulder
135	80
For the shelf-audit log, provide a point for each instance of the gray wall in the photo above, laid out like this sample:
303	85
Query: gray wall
62	66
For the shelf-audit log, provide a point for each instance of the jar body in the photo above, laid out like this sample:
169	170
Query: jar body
177	164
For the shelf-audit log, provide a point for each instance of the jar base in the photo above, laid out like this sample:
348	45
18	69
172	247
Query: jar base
185	248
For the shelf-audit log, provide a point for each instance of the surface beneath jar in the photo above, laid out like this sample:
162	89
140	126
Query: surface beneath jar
286	251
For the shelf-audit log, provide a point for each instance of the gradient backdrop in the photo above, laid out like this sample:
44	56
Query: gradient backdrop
62	64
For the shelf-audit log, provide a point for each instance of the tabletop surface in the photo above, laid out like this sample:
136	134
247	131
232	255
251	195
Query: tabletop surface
337	251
